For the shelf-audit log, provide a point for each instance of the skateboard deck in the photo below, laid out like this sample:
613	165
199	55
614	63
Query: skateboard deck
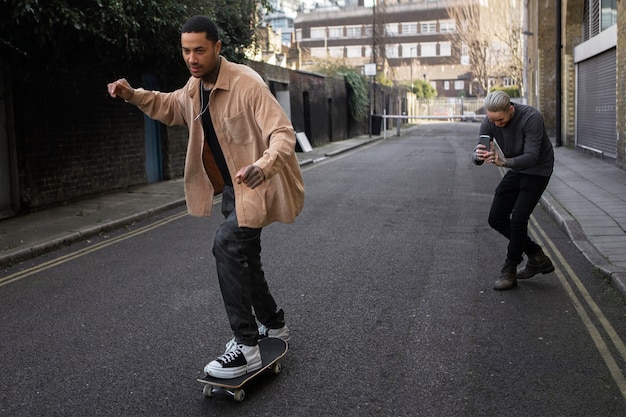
272	349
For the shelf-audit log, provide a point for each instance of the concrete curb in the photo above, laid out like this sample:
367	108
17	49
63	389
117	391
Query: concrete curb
615	275
70	238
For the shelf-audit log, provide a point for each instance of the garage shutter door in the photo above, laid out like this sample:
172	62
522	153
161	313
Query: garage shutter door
595	116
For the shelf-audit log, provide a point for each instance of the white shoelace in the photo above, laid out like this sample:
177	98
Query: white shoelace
232	350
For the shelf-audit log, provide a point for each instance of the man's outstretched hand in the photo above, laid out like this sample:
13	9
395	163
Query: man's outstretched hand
120	88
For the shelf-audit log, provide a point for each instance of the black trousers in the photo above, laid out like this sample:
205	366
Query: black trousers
515	199
245	292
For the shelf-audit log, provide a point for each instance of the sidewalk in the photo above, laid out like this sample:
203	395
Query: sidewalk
586	196
31	235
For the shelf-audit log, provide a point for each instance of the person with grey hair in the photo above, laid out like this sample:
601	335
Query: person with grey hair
242	145
521	134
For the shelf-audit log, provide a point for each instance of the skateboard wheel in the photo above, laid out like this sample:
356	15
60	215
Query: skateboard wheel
276	368
239	395
208	390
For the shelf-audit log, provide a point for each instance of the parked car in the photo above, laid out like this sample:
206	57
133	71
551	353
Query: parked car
470	116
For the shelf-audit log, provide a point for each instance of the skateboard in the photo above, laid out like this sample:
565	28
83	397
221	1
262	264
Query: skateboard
272	350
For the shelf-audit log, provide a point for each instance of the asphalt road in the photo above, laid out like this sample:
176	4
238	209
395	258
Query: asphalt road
386	279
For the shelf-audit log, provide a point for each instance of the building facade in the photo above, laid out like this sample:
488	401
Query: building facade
577	72
406	40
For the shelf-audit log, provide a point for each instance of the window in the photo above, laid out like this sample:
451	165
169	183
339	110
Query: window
354	51
392	51
447	26
318	33
428	27
459	85
465	59
445	49
409	50
391	29
429	49
446	85
608	14
353	31
409	28
318	52
335	31
598	15
335	51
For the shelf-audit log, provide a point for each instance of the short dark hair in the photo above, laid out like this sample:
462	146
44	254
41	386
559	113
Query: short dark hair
199	24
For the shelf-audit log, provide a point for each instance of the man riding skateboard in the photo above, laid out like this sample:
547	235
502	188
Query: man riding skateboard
242	144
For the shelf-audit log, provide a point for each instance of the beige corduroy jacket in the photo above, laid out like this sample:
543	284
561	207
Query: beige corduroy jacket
251	127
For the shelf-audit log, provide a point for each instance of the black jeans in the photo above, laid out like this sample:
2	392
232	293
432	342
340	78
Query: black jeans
237	252
515	199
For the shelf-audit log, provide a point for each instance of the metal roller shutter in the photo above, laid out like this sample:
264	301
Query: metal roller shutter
595	107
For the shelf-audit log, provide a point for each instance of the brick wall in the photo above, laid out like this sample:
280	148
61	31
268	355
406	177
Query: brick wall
73	141
546	41
571	37
308	106
336	108
174	142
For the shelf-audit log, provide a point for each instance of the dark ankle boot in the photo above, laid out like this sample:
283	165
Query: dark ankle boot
508	277
537	263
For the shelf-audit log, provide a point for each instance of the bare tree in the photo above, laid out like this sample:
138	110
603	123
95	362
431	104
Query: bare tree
490	34
475	41
507	17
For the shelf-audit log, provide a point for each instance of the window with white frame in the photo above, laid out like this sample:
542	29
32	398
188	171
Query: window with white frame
447	26
428	49
428	27
409	50
465	59
446	85
459	85
409	28
354	51
391	29
335	51
335	31
368	31
318	52
445	49
318	33
392	51
353	31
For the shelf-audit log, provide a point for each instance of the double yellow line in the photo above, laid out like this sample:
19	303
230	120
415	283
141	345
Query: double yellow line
566	276
564	273
81	252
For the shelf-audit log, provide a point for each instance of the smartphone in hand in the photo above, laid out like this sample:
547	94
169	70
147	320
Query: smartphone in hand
485	140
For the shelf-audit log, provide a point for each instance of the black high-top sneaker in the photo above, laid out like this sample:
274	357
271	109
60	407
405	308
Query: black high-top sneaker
236	361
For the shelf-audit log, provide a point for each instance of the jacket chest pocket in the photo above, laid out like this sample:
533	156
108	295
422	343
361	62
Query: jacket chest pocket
238	129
